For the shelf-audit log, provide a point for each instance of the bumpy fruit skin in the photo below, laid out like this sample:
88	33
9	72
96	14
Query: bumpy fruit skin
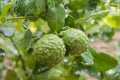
75	40
49	50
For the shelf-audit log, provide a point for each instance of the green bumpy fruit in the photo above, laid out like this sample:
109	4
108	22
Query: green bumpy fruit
75	40
49	50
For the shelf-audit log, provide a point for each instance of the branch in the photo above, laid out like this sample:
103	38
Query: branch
20	55
17	18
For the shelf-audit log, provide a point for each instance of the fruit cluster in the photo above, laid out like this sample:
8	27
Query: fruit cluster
50	49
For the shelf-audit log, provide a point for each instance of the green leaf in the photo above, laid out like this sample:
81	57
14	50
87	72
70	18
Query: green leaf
31	9
5	9
40	6
28	39
39	69
7	29
69	21
113	20
93	3
38	34
35	7
57	71
19	7
92	51
25	24
95	14
107	31
85	58
117	68
104	62
54	2
11	75
74	5
93	30
92	71
56	18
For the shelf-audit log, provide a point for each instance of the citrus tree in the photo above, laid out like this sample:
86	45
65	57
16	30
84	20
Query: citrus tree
49	39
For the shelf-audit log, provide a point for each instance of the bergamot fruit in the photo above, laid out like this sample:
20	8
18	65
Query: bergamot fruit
75	40
49	50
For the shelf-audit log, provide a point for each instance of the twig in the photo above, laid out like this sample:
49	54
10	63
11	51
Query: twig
21	58
15	18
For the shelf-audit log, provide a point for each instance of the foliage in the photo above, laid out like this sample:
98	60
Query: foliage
24	22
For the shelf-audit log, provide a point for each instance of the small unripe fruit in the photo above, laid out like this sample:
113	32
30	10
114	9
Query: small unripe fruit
75	40
49	50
